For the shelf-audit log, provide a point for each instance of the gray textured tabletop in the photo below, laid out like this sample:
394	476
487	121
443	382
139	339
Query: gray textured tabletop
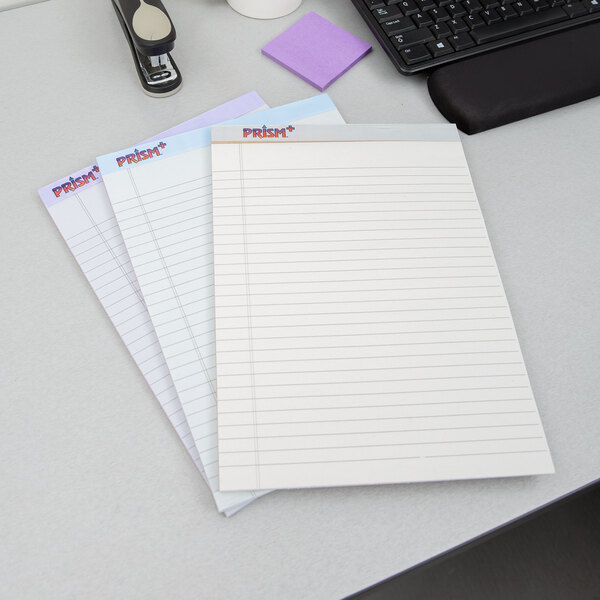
98	497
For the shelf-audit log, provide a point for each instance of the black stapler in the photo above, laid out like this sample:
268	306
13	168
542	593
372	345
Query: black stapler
151	36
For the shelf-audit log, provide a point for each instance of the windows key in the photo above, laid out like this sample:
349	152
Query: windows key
440	47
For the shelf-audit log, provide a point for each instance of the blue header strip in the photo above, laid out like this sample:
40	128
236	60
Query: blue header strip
201	138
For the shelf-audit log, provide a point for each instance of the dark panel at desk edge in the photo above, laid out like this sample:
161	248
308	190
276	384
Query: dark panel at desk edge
552	553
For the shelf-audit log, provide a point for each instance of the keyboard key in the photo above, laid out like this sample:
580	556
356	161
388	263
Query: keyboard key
456	10
489	4
592	5
472	6
415	54
373	4
440	30
439	14
458	26
412	38
398	25
389	13
507	12
515	26
575	9
461	41
490	16
522	7
475	20
440	48
422	20
409	7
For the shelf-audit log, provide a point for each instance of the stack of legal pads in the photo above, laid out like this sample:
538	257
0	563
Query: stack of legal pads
312	303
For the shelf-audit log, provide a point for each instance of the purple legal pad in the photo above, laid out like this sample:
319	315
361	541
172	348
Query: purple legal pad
316	50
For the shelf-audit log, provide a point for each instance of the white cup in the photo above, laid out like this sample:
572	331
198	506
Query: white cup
264	9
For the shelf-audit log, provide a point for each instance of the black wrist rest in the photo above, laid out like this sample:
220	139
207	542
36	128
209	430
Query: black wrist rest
519	81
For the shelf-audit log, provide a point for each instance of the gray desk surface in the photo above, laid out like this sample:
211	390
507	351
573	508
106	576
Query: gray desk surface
98	497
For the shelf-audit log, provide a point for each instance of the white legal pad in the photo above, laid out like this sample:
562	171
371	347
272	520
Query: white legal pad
363	335
161	197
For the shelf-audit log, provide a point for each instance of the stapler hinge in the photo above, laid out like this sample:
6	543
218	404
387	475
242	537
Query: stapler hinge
151	37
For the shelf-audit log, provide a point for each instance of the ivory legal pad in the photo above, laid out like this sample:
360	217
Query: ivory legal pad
363	335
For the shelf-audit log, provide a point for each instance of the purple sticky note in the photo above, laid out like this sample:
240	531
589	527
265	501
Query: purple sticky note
316	50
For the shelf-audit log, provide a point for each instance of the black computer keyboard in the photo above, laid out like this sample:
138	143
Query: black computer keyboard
421	34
